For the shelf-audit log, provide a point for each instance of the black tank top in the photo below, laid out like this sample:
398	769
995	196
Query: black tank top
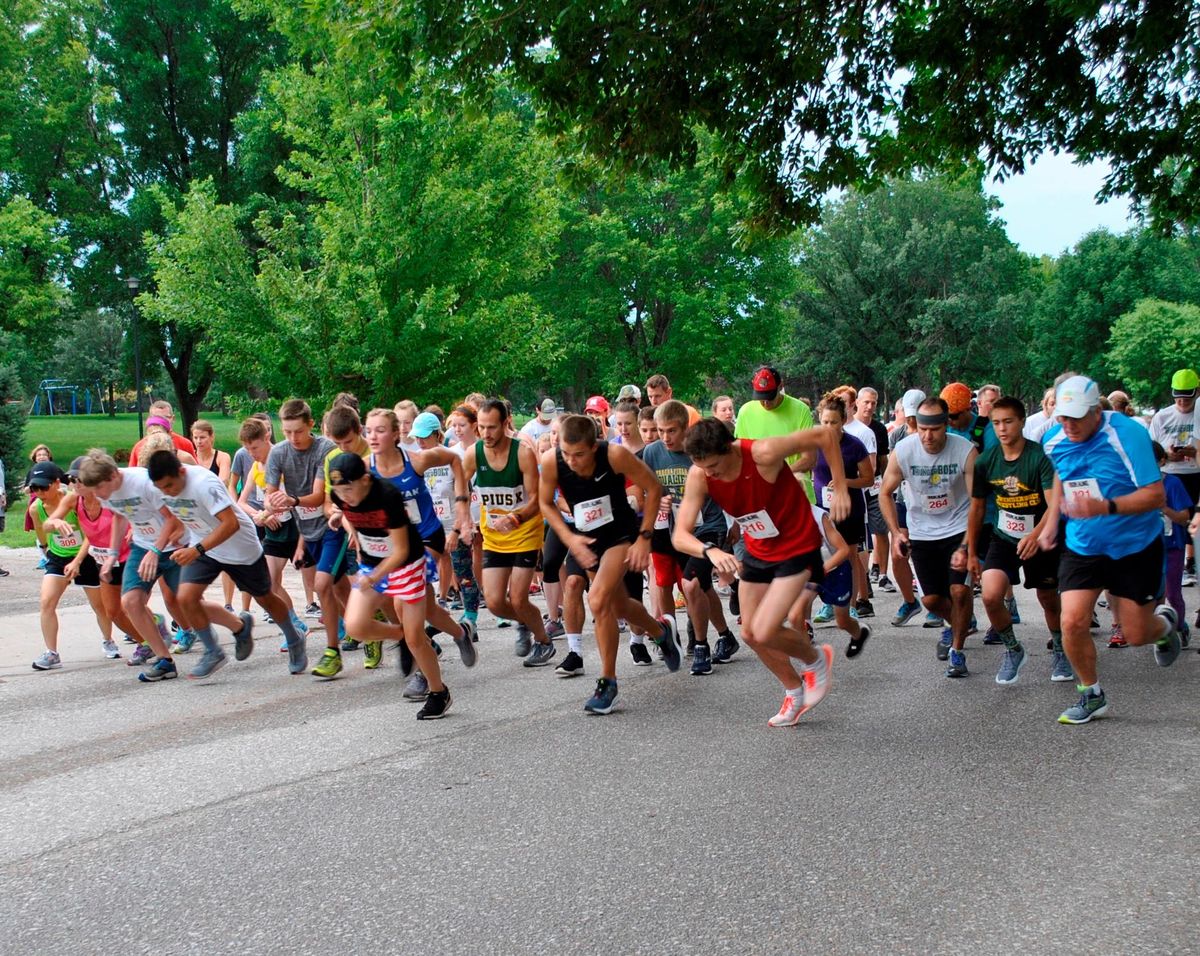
595	497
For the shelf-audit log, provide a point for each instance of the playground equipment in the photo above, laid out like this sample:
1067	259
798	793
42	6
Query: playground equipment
57	396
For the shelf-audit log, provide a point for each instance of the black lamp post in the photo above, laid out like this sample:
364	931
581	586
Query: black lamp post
133	282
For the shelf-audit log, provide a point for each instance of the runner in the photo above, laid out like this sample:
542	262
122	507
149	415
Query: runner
722	409
1177	509
658	391
877	529
902	569
937	469
467	559
1174	427
773	412
539	425
606	542
1113	495
161	414
506	478
296	482
835	589
1018	479
132	497
985	398
67	562
750	480
221	538
392	564
598	411
671	464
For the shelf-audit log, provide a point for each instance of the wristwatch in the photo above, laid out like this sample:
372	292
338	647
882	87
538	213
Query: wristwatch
704	551
200	549
646	534
1112	506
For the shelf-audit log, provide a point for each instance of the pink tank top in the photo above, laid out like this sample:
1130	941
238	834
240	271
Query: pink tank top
99	532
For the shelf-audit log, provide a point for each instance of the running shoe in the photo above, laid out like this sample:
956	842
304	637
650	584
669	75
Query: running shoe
162	628
540	655
932	620
524	642
535	588
854	648
1166	649
972	626
1061	670
111	650
243	640
417	687
571	666
141	655
312	611
701	660
853	613
641	656
298	624
908	610
814	689
886	585
298	658
348	644
1095	625
727	646
668	642
823	616
130	639
943	644
680	602
210	662
1010	665
1088	707
161	669
864	609
555	630
605	696
790	711
992	637
1189	579
1185	635
465	643
437	702
1117	638
372	654
329	666
873	575
229	608
48	661
958	664
1014	613
184	641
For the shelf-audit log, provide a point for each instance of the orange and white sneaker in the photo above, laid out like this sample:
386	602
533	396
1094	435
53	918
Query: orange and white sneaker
791	711
814	690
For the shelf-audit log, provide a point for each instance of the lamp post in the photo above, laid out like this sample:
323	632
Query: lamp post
132	282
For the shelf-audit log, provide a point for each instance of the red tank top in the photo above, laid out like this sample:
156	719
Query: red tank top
98	531
775	518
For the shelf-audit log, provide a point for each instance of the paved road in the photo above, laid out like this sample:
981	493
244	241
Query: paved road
259	813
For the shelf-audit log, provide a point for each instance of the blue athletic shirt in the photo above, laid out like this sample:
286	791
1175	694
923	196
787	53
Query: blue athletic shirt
1175	535
418	502
1120	459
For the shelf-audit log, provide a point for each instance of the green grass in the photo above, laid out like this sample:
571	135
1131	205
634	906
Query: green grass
72	435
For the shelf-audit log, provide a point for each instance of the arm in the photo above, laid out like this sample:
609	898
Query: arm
866	475
55	521
887	507
974	524
224	467
841	550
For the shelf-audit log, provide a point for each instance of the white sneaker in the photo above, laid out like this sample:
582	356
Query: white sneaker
1189	580
789	714
110	650
814	690
48	661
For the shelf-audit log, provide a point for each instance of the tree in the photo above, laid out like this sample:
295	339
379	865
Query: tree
1101	279
1150	342
93	350
912	285
807	96
12	430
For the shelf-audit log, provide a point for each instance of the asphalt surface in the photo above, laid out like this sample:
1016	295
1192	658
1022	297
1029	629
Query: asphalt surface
908	813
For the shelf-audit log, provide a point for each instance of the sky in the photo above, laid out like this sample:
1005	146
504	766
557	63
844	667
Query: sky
1052	205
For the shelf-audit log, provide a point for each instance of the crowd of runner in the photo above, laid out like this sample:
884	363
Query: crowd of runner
634	511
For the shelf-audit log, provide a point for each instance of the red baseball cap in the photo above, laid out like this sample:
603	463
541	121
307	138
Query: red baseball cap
597	403
766	382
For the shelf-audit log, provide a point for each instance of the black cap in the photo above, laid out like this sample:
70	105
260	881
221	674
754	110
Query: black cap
345	468
76	464
44	474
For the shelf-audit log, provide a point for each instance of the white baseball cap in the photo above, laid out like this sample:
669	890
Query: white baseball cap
1075	397
912	401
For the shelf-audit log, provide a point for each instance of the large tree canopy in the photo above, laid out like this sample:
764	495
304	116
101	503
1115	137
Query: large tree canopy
812	94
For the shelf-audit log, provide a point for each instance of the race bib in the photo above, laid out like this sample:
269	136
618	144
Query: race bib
307	513
494	518
877	485
145	529
633	503
413	509
827	497
1168	527
195	525
442	509
941	503
593	514
1017	526
376	547
1081	489
662	519
102	554
71	540
757	524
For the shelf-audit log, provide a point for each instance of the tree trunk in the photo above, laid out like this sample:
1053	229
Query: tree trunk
179	370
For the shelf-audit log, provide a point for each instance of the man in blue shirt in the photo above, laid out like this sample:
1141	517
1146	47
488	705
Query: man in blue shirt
1112	496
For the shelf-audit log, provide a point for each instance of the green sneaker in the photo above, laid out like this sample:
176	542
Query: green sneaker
330	664
372	654
1089	706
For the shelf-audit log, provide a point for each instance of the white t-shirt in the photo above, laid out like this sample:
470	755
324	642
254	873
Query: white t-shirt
935	487
139	503
1171	427
535	428
202	498
1036	425
863	433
